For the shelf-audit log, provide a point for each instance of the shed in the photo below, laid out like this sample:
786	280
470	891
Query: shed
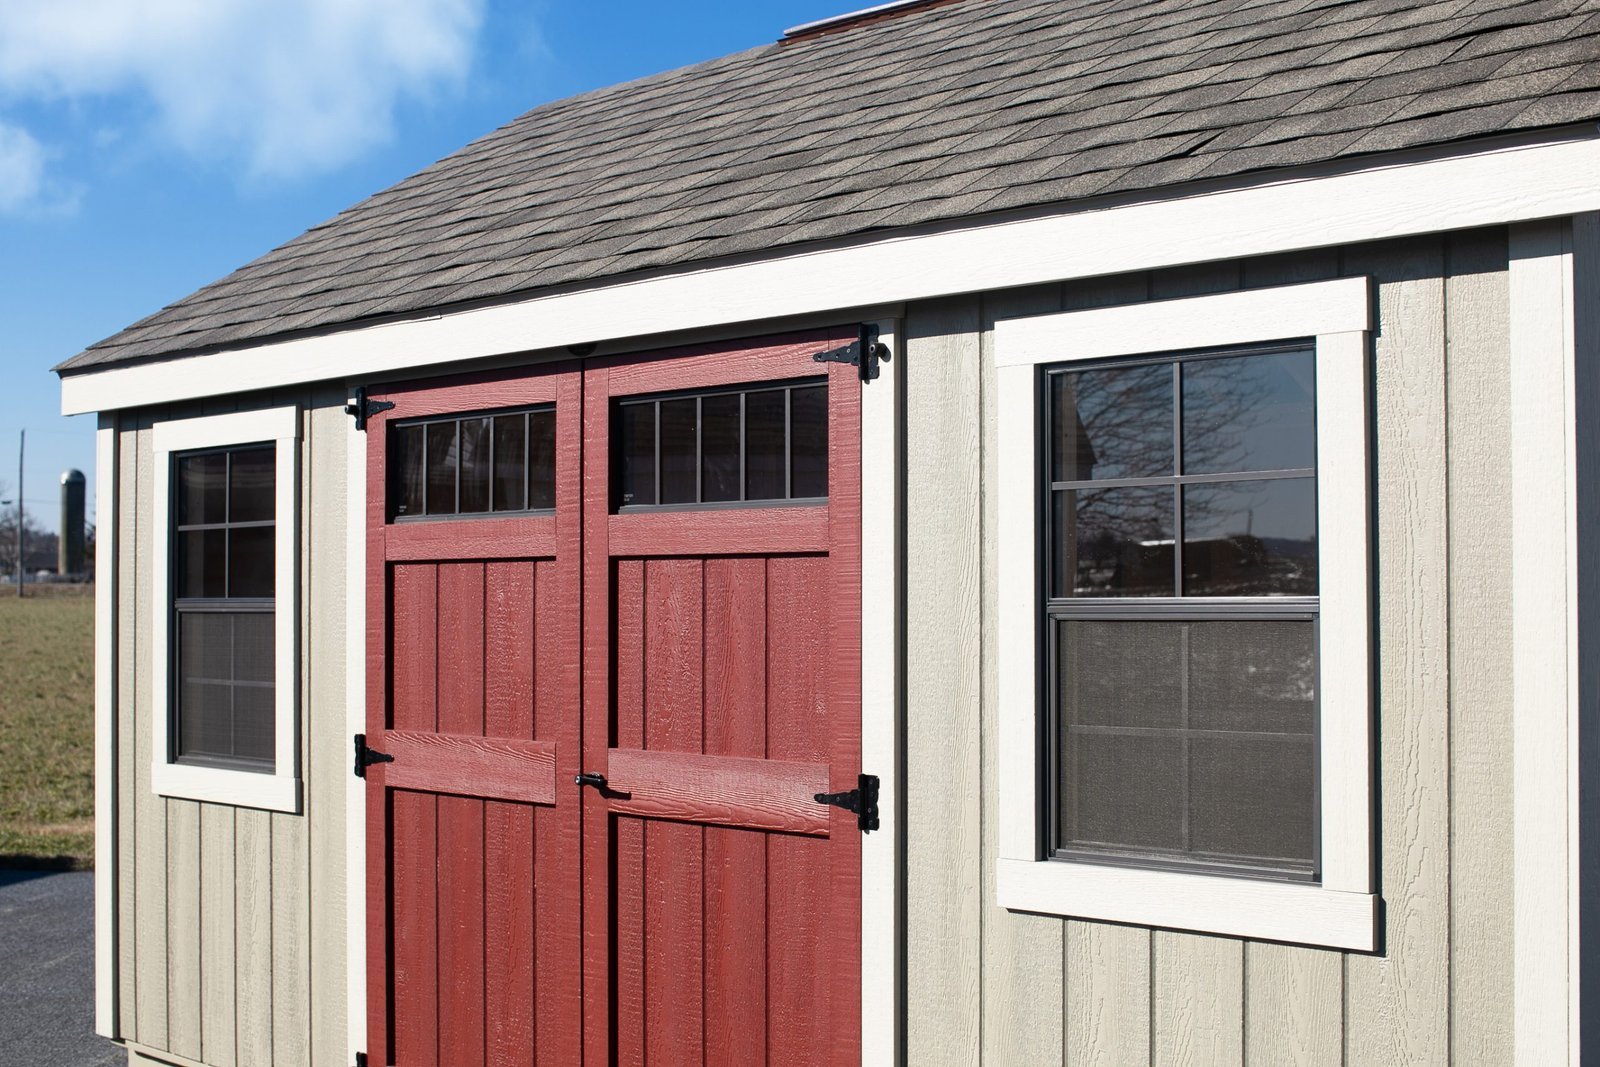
1003	532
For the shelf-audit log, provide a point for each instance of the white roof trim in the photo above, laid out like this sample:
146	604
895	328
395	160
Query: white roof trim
1487	187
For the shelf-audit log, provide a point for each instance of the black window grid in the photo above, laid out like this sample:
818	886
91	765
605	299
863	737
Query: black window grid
743	391
429	425
1057	609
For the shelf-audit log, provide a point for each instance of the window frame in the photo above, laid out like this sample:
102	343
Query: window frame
1340	910
281	789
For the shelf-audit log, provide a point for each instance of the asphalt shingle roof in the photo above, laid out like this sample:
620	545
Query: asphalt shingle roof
943	113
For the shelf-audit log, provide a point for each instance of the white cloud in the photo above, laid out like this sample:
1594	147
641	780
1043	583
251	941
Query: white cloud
288	86
21	168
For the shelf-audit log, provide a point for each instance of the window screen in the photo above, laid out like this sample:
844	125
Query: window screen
224	579
1181	610
728	447
493	463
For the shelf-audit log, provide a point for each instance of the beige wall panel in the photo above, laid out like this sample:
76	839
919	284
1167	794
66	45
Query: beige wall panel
1294	1006
128	674
217	895
183	928
943	642
149	811
1197	1000
327	756
1108	995
1478	383
1023	955
1398	1003
252	908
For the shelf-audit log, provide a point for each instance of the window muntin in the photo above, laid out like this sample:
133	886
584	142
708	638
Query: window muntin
761	444
1180	612
224	580
490	463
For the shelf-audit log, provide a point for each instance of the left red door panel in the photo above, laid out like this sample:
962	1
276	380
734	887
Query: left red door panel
473	688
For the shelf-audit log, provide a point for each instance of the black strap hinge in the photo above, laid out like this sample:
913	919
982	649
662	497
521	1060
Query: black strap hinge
366	757
363	408
361	1059
864	352
861	801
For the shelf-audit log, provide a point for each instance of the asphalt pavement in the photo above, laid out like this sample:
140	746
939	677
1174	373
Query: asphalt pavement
47	972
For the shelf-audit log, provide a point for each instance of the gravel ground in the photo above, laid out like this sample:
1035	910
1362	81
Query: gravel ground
47	972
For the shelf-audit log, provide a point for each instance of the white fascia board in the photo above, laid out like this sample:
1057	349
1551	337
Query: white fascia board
1488	187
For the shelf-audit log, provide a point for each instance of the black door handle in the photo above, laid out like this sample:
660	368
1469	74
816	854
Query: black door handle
590	778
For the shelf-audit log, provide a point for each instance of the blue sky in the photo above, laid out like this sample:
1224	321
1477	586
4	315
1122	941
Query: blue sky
144	153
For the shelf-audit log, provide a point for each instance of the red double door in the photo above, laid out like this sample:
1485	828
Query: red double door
694	903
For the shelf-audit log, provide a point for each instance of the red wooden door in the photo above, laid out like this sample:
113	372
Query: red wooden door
473	861
721	693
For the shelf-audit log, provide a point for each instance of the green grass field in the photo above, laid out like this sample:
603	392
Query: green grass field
46	729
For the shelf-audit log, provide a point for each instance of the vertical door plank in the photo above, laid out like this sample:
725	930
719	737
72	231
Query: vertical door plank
1198	1000
1397	1007
461	843
736	861
1478	381
508	829
1108	995
413	831
674	892
628	932
1294	1006
217	935
944	846
183	928
414	651
1023	979
797	944
253	923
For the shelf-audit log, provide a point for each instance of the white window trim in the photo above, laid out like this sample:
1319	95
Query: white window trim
1342	911
280	790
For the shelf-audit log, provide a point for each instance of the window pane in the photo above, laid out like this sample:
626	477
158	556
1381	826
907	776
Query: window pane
253	642
251	479
808	441
205	719
225	707
202	563
719	447
474	466
637	449
408	456
253	722
510	445
441	450
202	488
1250	538
541	459
764	460
250	561
678	451
205	646
1112	423
1188	739
1249	413
1114	542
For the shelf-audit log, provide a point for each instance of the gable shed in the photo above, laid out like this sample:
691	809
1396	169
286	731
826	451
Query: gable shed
991	531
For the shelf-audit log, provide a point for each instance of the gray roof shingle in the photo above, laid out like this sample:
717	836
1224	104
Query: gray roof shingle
950	112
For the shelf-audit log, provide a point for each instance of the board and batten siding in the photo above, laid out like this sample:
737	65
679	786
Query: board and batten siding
231	920
985	985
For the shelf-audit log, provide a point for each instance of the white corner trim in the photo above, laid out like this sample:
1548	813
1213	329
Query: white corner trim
355	705
1486	187
1544	682
107	981
1341	911
280	790
881	686
1338	306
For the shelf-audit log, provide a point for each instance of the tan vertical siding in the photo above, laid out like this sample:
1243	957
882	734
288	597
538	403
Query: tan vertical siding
226	961
1091	993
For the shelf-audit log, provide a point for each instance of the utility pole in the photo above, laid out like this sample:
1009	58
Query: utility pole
22	571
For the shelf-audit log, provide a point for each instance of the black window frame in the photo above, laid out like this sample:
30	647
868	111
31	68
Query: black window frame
743	390
178	606
395	475
1055	610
